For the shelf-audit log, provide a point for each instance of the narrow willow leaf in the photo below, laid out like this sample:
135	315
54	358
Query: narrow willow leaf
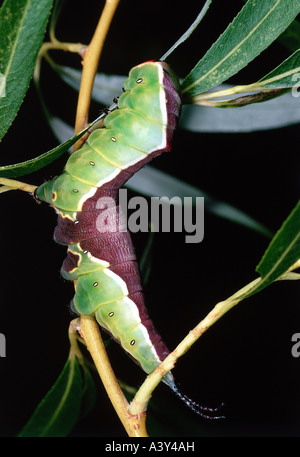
189	31
284	249
59	411
290	38
245	100
29	166
256	26
105	87
89	393
276	113
282	253
22	27
284	76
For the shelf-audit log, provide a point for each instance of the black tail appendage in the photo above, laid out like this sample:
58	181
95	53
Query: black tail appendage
202	411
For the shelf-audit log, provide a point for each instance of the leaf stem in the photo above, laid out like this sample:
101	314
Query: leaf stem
90	64
12	184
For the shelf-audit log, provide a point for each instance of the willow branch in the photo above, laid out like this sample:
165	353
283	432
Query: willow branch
90	64
139	403
134	424
12	184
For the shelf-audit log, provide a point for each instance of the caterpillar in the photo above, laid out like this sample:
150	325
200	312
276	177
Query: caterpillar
100	254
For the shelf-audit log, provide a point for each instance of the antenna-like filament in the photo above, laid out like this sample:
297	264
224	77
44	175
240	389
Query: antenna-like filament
196	408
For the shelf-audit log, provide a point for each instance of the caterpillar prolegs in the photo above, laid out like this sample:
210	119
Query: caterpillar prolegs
100	255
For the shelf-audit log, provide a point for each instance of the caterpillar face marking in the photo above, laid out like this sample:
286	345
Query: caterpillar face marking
100	257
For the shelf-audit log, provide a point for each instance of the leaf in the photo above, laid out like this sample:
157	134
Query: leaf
105	87
189	31
276	113
256	26
22	27
89	393
284	76
284	249
29	166
290	38
282	253
59	411
245	100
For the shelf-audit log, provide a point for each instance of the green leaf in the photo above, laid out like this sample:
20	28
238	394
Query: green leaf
290	38
105	87
59	411
189	31
276	113
245	100
284	249
22	27
284	76
29	166
257	25
89	392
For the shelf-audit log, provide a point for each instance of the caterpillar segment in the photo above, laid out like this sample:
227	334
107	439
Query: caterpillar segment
100	254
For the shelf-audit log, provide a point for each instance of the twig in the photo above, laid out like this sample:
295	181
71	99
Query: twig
12	184
90	64
140	401
134	424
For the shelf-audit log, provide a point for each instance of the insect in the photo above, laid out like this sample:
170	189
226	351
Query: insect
100	253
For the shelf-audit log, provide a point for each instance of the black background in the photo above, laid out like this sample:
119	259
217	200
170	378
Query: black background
245	359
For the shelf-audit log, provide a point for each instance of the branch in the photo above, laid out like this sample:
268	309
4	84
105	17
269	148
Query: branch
12	184
140	401
90	65
134	424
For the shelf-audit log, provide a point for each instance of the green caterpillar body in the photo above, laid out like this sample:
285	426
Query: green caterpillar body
100	253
